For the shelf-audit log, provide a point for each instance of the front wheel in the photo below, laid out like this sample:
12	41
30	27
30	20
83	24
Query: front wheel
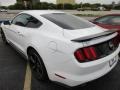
37	66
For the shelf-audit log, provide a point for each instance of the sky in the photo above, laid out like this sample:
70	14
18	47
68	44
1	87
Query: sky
9	2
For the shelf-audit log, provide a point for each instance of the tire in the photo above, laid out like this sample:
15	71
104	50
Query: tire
37	66
3	37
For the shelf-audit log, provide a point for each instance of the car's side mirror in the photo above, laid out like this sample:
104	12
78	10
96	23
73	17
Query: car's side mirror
7	22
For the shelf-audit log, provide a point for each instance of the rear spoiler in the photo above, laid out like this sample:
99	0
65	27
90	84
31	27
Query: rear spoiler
87	38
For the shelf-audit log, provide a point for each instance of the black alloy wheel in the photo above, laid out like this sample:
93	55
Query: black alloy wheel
37	65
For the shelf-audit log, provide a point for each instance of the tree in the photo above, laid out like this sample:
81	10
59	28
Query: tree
44	5
117	7
86	5
59	6
17	6
113	4
107	7
96	5
52	6
3	7
36	6
75	6
68	6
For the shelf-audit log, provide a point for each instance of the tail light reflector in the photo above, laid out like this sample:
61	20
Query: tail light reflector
79	55
97	51
86	54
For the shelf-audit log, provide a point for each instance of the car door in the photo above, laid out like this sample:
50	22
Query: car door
20	29
24	32
16	31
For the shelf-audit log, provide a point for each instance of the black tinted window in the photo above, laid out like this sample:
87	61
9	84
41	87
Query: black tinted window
68	21
26	21
115	20
104	20
112	20
21	20
33	22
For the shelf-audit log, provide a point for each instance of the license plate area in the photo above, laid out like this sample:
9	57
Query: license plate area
113	61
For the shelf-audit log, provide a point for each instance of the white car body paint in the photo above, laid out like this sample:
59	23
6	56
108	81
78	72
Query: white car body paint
54	45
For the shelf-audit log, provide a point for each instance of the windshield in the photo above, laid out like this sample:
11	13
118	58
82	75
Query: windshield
68	21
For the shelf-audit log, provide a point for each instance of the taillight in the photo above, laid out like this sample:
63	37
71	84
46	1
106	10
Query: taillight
86	54
97	51
79	55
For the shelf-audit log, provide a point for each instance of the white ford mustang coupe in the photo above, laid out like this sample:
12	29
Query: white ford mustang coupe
62	47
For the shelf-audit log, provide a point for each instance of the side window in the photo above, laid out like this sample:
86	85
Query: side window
115	20
104	20
33	22
21	20
26	21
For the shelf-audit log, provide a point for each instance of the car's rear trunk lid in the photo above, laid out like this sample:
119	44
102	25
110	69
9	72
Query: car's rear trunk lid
103	42
80	33
90	36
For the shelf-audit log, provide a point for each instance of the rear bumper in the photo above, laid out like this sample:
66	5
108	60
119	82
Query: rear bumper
75	73
81	79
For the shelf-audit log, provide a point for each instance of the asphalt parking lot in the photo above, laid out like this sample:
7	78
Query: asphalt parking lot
13	68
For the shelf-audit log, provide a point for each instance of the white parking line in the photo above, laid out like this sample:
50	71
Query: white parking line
28	76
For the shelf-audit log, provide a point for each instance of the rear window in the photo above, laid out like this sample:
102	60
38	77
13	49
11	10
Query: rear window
68	21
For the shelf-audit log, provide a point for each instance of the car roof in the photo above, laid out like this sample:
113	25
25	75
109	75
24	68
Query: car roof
107	15
41	12
113	15
110	15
